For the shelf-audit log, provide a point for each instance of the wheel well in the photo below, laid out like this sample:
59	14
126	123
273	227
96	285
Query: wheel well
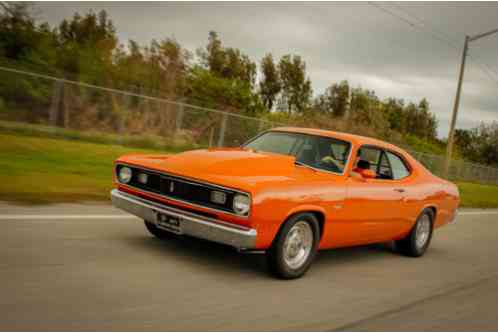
321	221
319	216
434	211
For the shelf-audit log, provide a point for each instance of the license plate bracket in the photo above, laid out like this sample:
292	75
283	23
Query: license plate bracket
168	222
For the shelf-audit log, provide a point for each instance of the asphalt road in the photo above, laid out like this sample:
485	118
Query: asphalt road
62	270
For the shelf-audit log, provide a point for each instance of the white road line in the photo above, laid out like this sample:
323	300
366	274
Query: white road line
117	216
66	217
478	213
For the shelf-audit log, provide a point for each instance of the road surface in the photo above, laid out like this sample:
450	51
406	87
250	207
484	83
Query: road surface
90	267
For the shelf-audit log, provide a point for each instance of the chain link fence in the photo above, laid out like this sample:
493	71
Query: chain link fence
50	106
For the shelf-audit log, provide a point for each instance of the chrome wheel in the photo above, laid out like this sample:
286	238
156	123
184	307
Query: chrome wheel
298	244
423	231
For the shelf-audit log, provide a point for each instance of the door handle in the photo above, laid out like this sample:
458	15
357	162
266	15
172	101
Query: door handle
400	190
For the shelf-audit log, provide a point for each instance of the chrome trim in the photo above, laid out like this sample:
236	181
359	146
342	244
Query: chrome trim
298	244
194	225
162	174
454	217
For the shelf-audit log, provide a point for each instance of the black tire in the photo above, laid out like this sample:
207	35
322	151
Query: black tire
161	234
275	255
408	245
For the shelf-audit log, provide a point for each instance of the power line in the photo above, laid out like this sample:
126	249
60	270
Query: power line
433	31
483	66
422	26
448	39
410	23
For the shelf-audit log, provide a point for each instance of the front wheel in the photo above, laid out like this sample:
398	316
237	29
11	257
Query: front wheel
417	241
295	246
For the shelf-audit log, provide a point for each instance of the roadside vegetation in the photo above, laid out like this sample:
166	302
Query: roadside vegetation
135	141
85	48
37	169
478	195
45	170
58	140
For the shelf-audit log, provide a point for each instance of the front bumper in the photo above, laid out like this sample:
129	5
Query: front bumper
192	224
454	217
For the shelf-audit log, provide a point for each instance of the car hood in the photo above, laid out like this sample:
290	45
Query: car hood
230	167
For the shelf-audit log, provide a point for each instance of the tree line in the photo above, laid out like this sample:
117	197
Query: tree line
86	48
479	144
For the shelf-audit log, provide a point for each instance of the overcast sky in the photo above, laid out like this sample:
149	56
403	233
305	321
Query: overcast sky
354	41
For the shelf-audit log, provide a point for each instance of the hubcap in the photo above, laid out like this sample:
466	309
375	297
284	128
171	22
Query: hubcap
298	244
423	231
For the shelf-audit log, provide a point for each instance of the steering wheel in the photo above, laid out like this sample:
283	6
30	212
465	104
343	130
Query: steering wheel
329	164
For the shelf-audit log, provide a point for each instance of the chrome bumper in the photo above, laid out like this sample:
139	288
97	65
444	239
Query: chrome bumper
454	217
191	224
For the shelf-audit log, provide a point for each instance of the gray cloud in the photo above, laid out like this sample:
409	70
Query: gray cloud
353	41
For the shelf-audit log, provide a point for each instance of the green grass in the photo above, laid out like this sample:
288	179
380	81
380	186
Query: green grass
43	170
37	169
478	195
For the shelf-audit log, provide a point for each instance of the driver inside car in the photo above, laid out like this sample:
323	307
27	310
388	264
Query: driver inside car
360	164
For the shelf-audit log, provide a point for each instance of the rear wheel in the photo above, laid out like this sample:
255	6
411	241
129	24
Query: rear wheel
417	241
161	234
295	247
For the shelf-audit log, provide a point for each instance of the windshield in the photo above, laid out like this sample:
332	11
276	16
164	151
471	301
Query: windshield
319	152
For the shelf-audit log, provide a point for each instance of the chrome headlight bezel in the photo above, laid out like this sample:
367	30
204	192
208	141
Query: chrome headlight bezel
124	174
241	204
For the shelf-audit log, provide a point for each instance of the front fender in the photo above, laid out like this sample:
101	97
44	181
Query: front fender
306	208
276	204
269	225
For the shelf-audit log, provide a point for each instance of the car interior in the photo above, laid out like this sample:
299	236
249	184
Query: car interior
375	160
323	154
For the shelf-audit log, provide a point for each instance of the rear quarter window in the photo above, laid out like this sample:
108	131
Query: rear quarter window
398	166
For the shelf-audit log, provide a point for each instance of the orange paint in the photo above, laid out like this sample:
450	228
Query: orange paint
355	209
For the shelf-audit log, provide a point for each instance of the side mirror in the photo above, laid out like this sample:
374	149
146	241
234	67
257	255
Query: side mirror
367	174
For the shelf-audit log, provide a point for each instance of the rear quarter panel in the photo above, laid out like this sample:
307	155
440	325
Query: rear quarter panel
449	200
431	191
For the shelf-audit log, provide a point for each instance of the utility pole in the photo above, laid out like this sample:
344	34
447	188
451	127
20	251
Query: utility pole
451	135
449	146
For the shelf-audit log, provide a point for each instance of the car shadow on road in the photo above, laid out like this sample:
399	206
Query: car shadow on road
358	254
202	255
205	255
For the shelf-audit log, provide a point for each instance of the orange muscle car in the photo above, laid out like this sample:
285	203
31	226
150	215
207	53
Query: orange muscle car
289	192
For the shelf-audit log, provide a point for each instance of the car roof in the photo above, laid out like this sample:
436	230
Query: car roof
355	139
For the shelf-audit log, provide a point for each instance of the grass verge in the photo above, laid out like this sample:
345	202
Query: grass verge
478	195
45	170
38	169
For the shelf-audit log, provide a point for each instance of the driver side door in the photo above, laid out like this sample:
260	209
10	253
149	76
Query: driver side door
373	205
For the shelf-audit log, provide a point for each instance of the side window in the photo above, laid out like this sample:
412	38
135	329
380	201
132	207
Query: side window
371	155
306	152
384	170
399	169
333	154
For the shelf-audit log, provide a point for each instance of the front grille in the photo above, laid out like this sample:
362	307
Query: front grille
179	188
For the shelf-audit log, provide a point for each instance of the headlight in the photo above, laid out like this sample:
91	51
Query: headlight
124	175
241	204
